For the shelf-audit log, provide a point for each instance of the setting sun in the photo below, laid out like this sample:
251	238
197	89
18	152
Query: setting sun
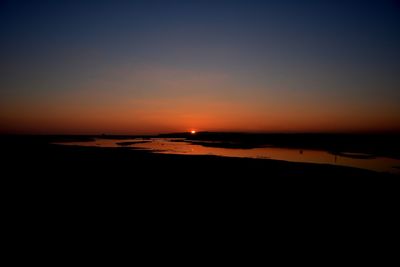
192	131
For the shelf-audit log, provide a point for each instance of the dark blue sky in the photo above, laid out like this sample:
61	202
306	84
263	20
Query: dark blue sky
285	65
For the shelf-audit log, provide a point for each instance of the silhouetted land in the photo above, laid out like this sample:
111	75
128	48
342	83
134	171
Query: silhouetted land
47	179
373	144
38	154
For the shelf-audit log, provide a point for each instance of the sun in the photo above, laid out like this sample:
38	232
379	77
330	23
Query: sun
192	131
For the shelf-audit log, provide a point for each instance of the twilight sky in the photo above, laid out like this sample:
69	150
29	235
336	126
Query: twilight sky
127	67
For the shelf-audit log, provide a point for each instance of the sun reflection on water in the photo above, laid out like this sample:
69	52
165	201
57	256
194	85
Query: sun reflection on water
182	146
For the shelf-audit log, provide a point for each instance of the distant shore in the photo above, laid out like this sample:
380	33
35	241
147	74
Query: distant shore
39	152
384	145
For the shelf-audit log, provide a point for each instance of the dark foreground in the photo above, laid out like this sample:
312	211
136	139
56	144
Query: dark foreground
36	156
89	190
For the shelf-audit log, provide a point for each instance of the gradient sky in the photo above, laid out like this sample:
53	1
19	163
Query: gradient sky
127	67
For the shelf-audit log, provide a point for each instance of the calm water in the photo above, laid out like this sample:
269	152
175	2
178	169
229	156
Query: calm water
179	146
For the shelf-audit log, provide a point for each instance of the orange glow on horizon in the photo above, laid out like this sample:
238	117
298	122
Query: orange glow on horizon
81	113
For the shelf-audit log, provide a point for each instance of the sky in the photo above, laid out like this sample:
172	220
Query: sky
144	67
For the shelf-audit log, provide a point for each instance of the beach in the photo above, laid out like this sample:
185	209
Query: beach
38	154
46	180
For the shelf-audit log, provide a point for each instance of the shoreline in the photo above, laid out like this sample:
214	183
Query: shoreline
44	157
